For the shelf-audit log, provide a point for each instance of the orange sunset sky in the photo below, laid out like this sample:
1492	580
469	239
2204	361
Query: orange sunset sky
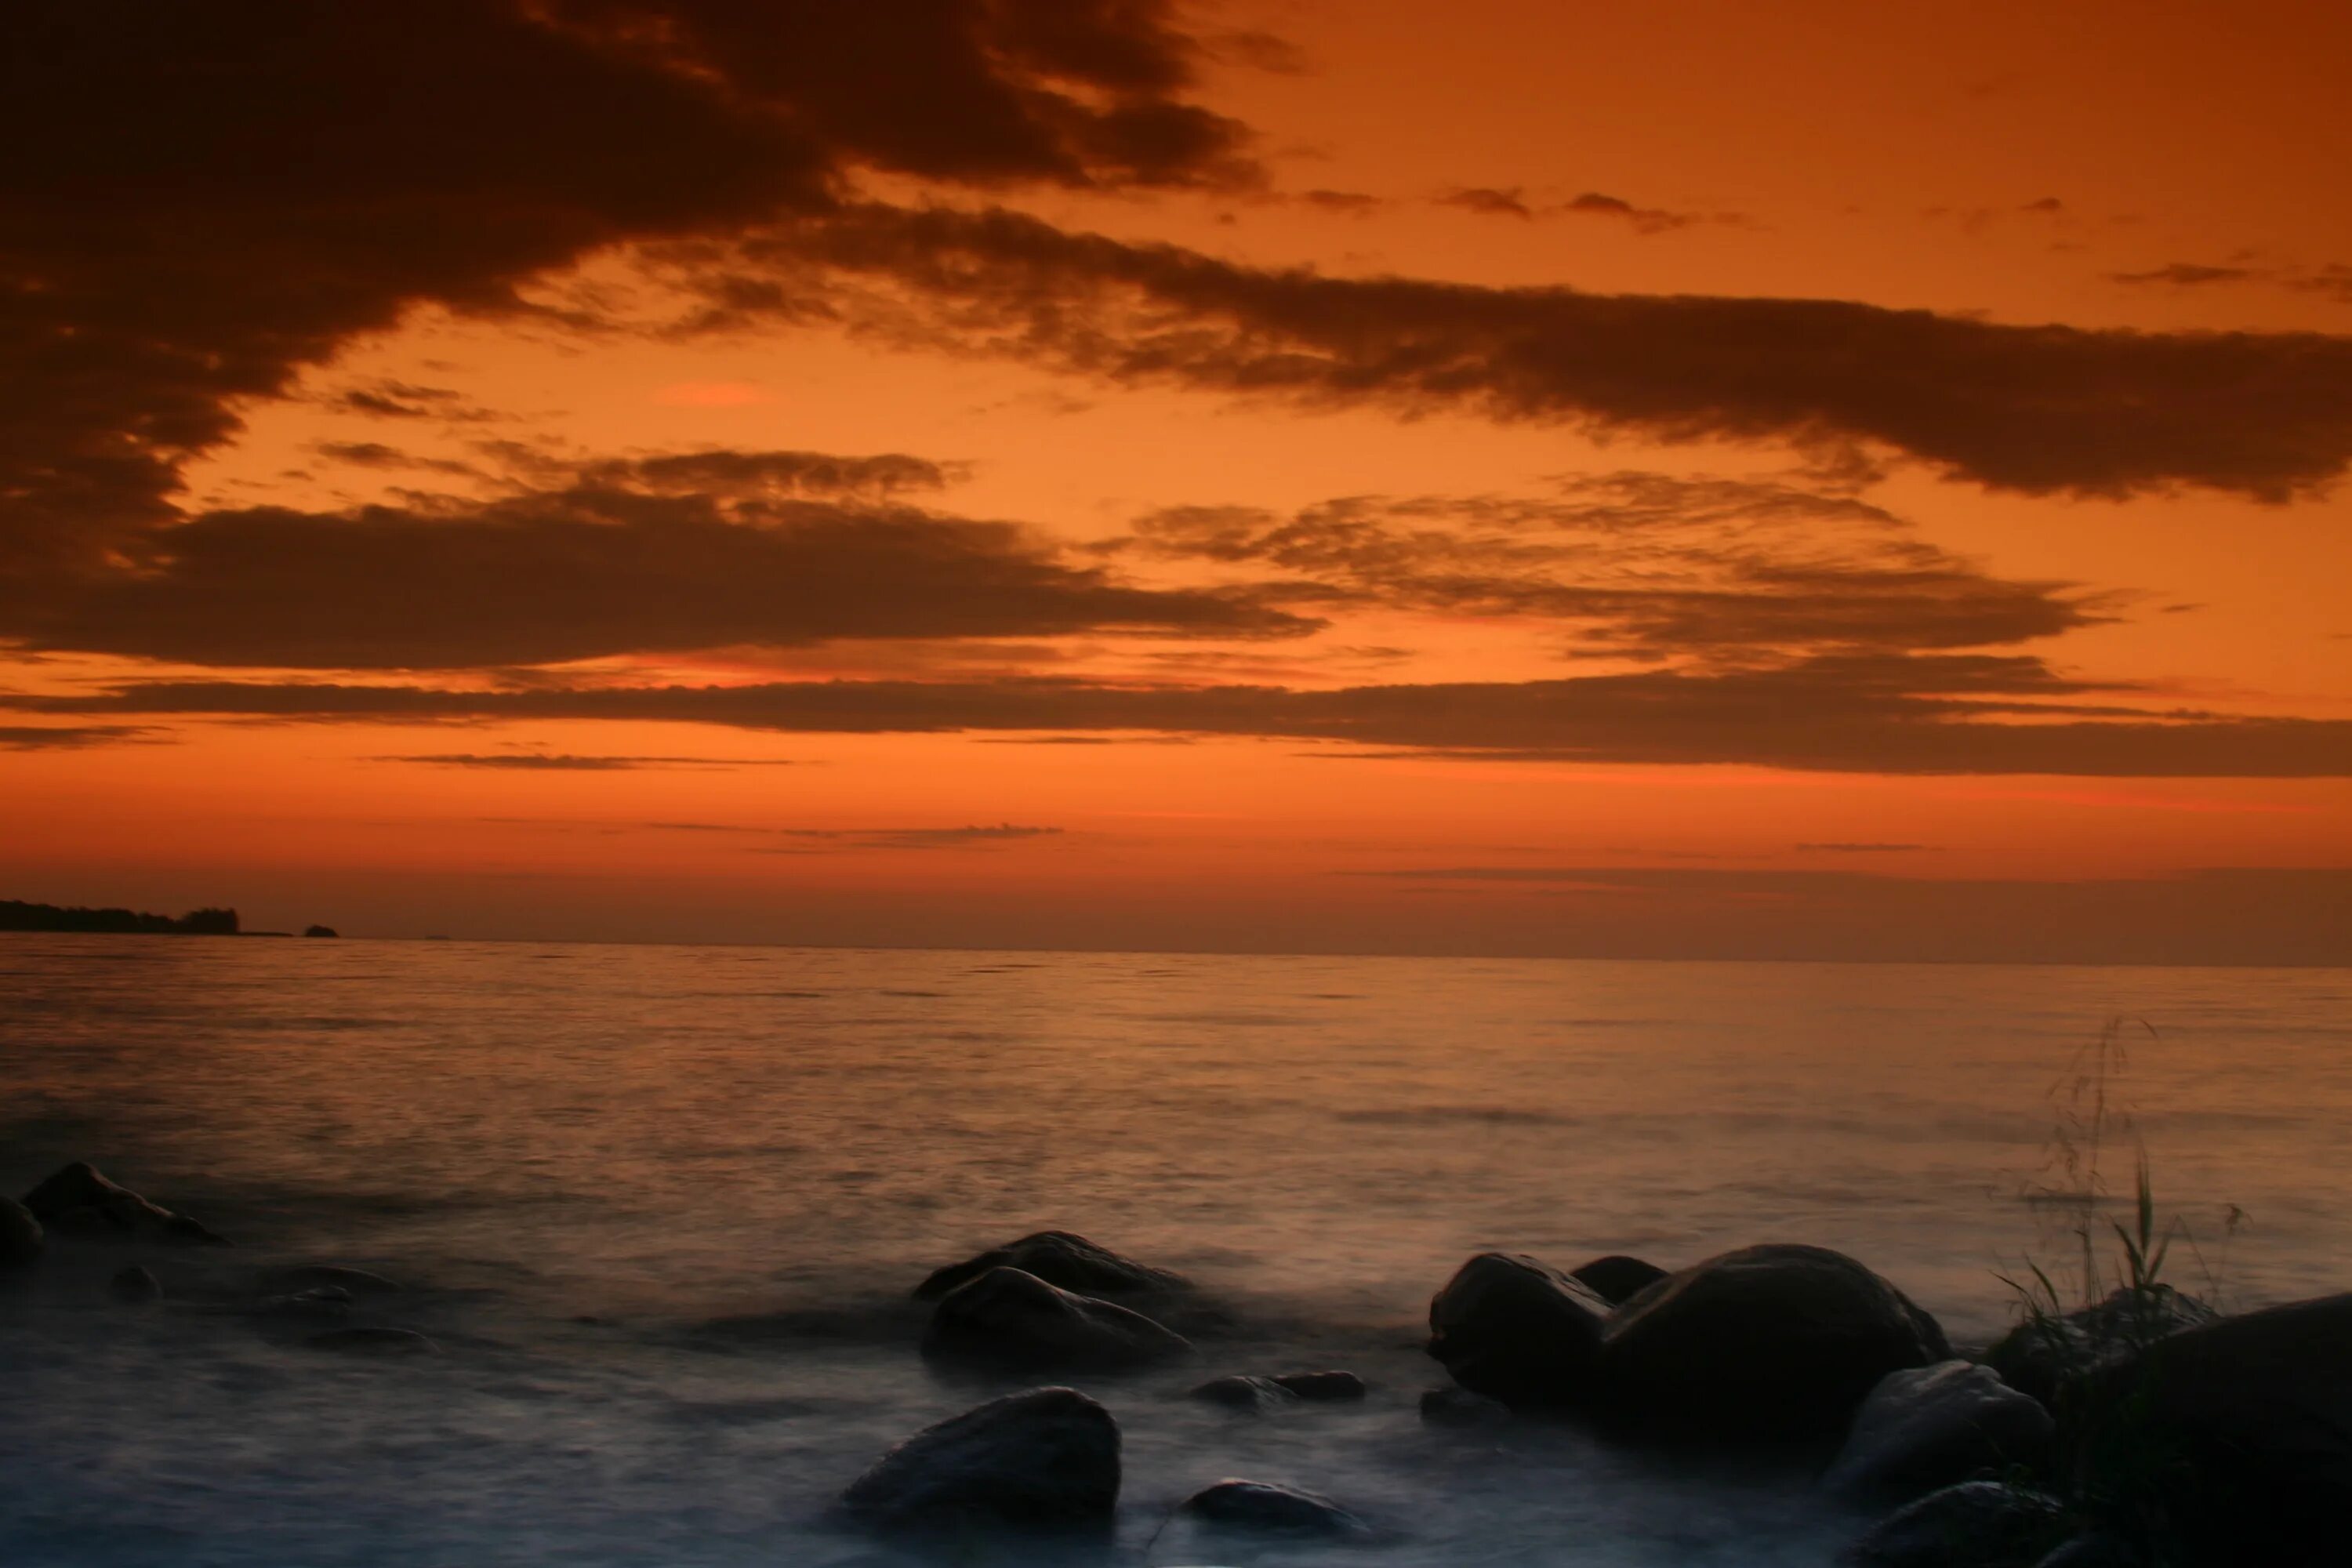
1815	481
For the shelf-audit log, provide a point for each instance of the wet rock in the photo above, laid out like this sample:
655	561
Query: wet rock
1931	1427
1325	1387
21	1238
1618	1279
1979	1524
327	1276
1275	1510
135	1284
1515	1330
1768	1341
374	1341
1009	1316
2251	1418
1046	1458
2039	1354
2096	1549
77	1200
1459	1407
1239	1393
1058	1258
328	1302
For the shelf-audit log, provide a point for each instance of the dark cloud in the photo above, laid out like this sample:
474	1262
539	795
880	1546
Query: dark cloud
559	762
207	198
1644	220
2038	409
1954	713
631	555
1649	565
1489	202
70	737
1837	849
2188	275
975	835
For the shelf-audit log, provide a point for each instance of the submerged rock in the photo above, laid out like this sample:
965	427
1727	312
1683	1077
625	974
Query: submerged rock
326	1301
1046	1458
1516	1329
1276	1509
135	1284
1327	1387
1009	1316
1240	1392
1617	1279
1459	1407
374	1341
1930	1426
21	1238
1776	1340
323	1276
1979	1524
76	1199
2041	1354
1058	1258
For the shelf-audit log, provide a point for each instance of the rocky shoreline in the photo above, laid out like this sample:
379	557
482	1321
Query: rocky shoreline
2144	1431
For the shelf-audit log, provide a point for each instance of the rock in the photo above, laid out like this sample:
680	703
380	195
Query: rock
1460	1407
1058	1258
1011	1316
1979	1524
76	1199
373	1341
325	1276
2096	1549
1618	1279
318	931
135	1284
1278	1510
1323	1386
1768	1341
2243	1427
1515	1330
21	1238
1047	1458
1930	1426
2037	1355
326	1301
1239	1393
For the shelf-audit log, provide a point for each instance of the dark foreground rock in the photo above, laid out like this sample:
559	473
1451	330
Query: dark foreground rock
1933	1426
1045	1458
1978	1524
2038	1355
21	1237
1015	1318
374	1341
1272	1509
1516	1329
1618	1279
135	1284
1768	1341
2244	1428
1058	1258
77	1200
1325	1387
1241	1392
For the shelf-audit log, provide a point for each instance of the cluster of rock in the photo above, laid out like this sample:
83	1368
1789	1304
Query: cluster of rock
79	1201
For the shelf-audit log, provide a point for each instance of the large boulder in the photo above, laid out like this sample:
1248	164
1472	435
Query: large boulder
2046	1350
1930	1426
1058	1258
1046	1458
1273	1509
2240	1431
1516	1329
21	1238
1978	1524
1015	1318
1618	1279
1768	1341
76	1199
1326	1386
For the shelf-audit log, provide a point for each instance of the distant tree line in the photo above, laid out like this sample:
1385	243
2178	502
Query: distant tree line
15	915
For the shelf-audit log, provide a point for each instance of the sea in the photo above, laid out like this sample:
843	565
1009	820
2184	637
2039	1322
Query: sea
662	1208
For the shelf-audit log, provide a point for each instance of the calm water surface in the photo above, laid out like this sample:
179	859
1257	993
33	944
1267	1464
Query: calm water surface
662	1207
